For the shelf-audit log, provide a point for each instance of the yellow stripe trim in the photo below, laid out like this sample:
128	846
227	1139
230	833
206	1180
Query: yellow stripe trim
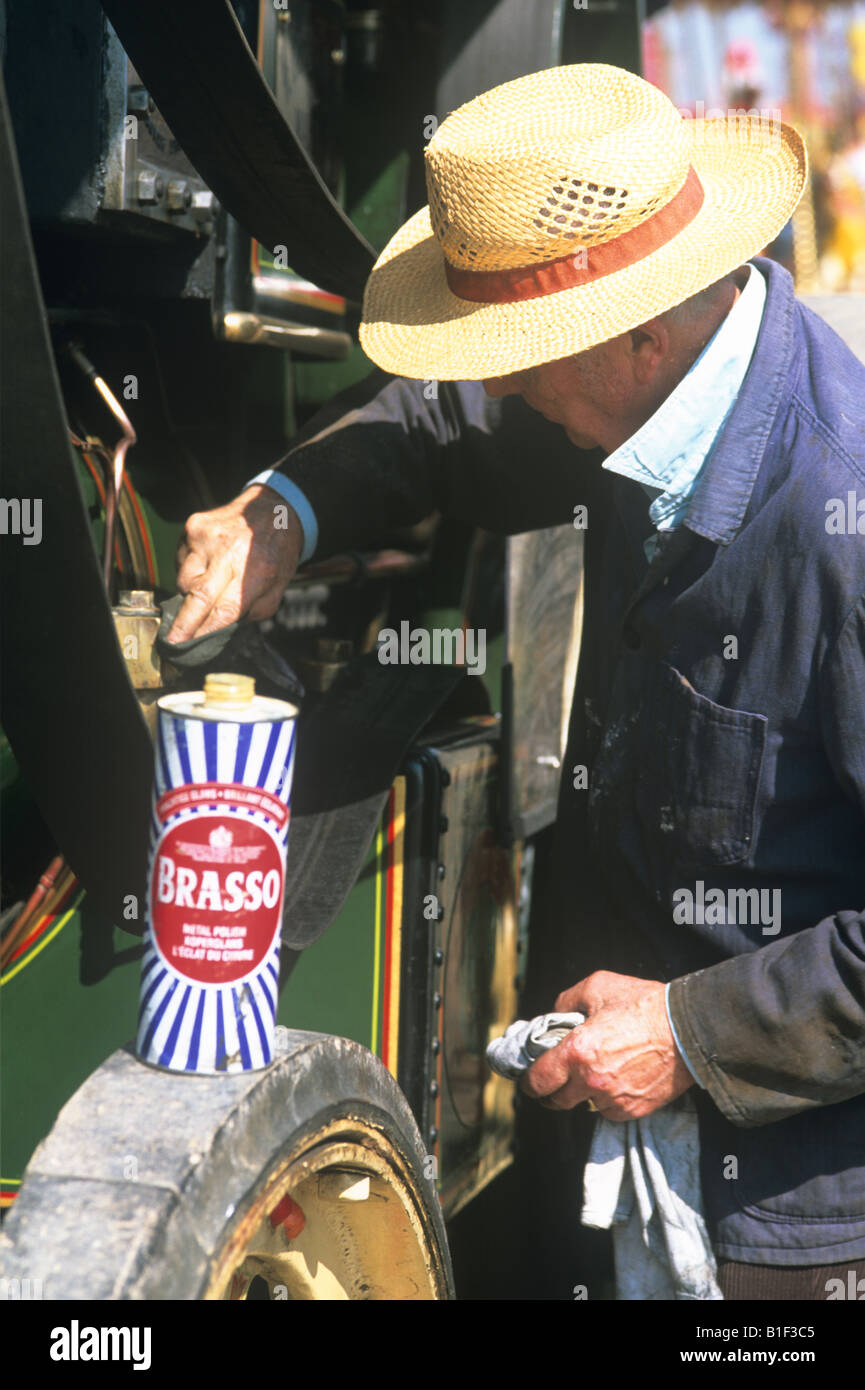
40	945
376	964
391	1059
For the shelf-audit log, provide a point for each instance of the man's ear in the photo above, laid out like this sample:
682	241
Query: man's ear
648	345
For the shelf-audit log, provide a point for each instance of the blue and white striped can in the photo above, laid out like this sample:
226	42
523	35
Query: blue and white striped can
216	878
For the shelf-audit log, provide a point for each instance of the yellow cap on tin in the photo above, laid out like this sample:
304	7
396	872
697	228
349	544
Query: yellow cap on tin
228	691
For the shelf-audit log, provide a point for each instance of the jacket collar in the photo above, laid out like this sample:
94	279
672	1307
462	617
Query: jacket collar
721	499
667	453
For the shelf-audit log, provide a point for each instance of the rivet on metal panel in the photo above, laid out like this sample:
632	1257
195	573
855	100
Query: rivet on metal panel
179	195
149	186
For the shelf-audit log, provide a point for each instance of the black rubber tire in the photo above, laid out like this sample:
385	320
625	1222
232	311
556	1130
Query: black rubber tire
146	1174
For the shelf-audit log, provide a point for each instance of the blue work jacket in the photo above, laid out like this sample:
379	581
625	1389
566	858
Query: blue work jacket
719	710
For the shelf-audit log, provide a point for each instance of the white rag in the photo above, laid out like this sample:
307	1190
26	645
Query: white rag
642	1180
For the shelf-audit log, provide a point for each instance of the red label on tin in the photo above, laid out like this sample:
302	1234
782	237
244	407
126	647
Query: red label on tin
216	897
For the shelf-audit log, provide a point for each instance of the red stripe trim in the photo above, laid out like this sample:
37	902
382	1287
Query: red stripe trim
142	526
43	924
585	265
28	941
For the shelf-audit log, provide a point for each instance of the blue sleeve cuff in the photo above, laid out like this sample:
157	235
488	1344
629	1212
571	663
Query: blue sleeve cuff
682	1053
296	499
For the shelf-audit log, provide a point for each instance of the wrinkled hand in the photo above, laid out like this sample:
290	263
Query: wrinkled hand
235	561
623	1057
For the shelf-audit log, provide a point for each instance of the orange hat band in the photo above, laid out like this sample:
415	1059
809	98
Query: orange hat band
588	264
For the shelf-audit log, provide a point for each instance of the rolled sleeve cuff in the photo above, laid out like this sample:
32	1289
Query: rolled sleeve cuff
677	1040
728	1048
296	499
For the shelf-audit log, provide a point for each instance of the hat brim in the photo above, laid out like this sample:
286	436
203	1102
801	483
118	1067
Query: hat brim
753	174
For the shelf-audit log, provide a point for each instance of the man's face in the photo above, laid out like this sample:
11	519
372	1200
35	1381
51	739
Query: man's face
602	396
588	394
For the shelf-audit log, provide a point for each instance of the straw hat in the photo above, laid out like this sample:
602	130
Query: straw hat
565	208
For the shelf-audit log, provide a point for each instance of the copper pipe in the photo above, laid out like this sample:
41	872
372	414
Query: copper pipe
18	930
114	482
118	463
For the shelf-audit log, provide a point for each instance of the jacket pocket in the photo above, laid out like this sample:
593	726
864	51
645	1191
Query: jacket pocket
807	1171
701	764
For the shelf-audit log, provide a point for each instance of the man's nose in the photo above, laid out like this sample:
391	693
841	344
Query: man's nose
505	385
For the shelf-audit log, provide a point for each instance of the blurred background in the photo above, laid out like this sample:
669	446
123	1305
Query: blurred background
801	61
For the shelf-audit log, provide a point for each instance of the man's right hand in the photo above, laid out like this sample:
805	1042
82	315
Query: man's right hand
236	561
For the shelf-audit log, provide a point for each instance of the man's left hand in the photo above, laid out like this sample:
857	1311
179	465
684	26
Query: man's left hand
623	1058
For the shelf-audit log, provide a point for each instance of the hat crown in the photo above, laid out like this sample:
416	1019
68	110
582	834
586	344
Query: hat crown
538	167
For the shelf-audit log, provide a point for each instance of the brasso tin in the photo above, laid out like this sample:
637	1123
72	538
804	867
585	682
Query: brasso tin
216	878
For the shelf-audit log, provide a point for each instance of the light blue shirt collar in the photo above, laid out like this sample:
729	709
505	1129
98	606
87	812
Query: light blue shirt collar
667	453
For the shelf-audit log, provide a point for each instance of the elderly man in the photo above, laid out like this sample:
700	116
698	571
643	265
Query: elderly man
587	257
